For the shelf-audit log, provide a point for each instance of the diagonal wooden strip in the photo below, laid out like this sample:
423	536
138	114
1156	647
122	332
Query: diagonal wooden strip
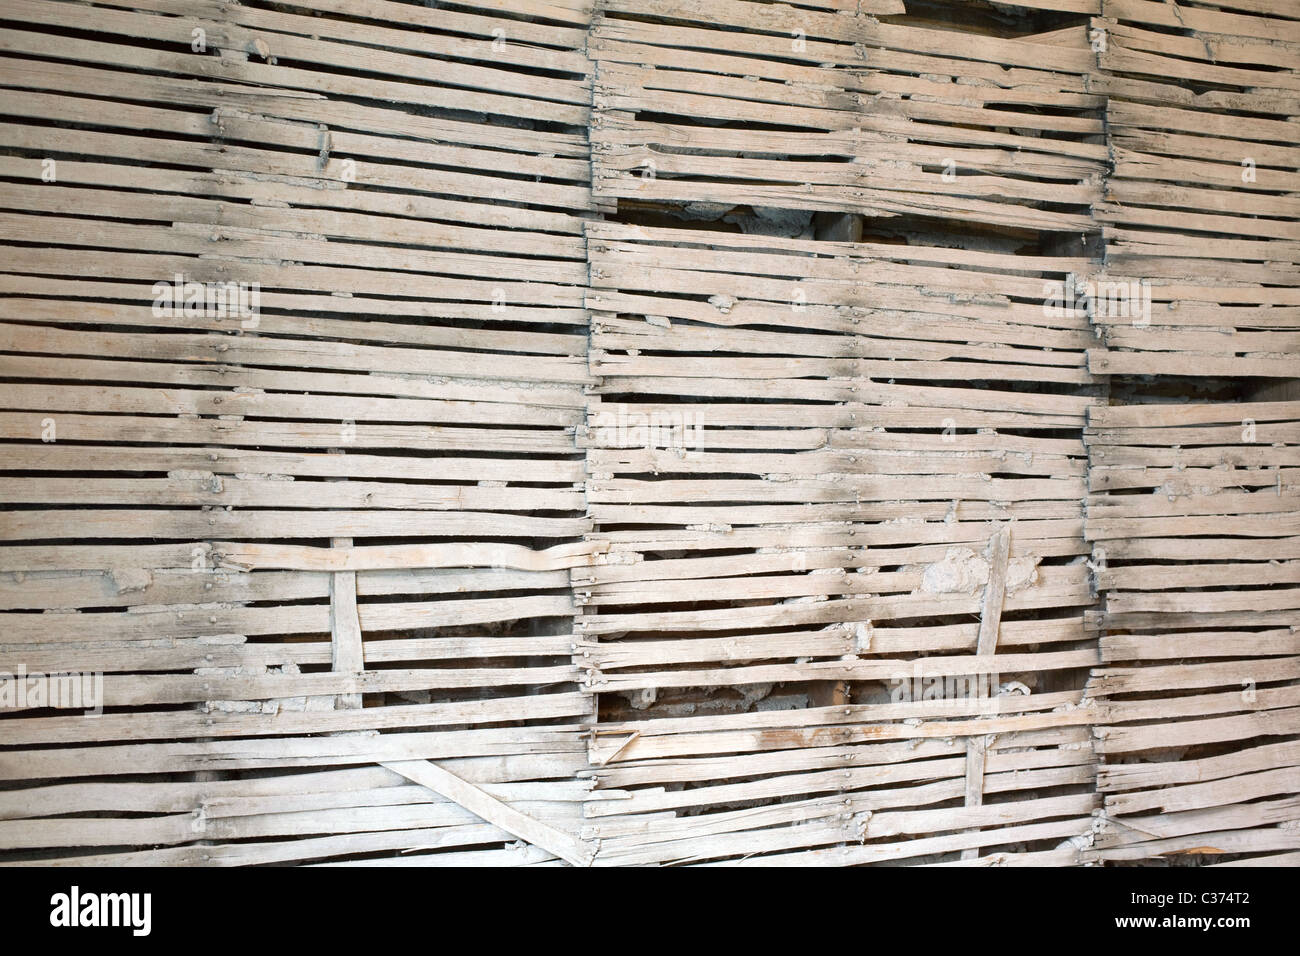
990	622
564	845
995	592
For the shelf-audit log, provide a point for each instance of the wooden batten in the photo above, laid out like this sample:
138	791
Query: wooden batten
650	432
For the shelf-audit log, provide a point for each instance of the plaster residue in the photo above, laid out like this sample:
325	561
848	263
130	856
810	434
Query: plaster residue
962	571
1022	572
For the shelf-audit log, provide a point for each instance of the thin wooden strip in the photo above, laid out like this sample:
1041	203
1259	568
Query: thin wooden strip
481	804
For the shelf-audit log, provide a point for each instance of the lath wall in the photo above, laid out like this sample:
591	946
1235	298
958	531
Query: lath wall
314	550
648	401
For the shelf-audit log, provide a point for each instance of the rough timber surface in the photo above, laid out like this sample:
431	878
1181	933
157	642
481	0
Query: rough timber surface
1193	520
320	555
729	433
1201	200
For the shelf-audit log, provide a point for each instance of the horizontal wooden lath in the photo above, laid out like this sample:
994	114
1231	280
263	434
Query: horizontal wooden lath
649	432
